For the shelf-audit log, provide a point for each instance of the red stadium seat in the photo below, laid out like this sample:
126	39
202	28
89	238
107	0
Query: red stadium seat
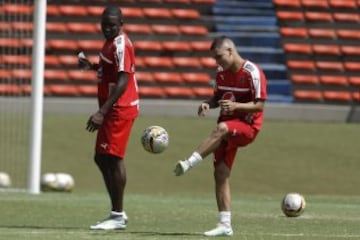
9	43
176	46
293	32
63	90
203	92
151	92
348	34
297	48
73	10
193	30
305	65
200	45
350	50
95	10
333	80
6	73
312	95
330	66
158	13
77	27
24	74
148	45
326	49
68	60
62	44
349	4
286	3
355	81
17	60
52	10
158	62
304	79
54	74
17	9
82	76
347	17
132	12
290	15
318	16
56	27
144	77
168	77
356	96
137	28
352	66
10	89
315	4
178	92
87	90
22	26
196	78
185	13
322	33
52	60
90	45
165	29
208	62
337	96
193	62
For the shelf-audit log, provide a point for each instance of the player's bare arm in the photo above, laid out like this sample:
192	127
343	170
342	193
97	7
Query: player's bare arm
230	106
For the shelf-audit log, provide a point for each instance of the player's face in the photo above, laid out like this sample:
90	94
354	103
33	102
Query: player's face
223	57
110	26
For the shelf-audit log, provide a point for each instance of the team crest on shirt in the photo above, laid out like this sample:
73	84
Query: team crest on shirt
241	79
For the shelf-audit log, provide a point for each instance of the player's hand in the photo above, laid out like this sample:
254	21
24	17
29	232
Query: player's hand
227	106
84	64
94	121
203	109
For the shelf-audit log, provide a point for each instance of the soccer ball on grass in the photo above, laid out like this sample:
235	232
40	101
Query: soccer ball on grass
293	204
155	139
61	182
5	180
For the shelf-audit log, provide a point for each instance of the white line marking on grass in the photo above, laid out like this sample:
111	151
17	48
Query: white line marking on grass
336	236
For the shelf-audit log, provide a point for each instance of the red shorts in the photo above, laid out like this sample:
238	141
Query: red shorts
113	136
240	135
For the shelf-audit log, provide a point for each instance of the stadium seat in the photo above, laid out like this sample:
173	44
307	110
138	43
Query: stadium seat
62	44
52	60
312	95
24	60
26	89
17	9
348	34
304	79
185	13
76	27
151	92
148	45
144	77
329	66
208	62
23	74
95	10
286	3
347	17
297	48
139	62
193	30
350	50
322	33
193	62
168	77
73	10
178	1
349	4
68	60
293	32
5	26
162	13
337	96
354	80
55	74
352	66
137	28
158	62
318	16
52	10
356	96
132	12
87	90
63	90
200	45
203	92
56	27
178	92
203	1
315	4
82	76
26	42
176	46
9	89
6	73
22	26
321	49
90	45
333	80
165	29
9	43
196	78
305	65
290	15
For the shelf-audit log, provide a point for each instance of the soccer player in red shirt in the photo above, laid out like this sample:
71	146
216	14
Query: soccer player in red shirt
240	92
118	107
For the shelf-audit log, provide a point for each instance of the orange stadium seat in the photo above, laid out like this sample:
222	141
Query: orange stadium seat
318	16
73	10
178	1
5	26
55	74
158	62
51	60
350	50
137	28
326	49
208	62
193	30
333	80
144	77
68	60
322	33
290	15
62	44
132	12
178	92
63	90
17	9
337	96
297	48
82	76
24	60
304	79
329	66
165	29
151	92
157	13
203	1
200	45
200	78
348	34
77	27
176	45
9	89
26	42
87	90
351	4
355	81
148	45
9	42
312	95
25	74
356	96
52	10
139	62
95	10
185	13
347	17
305	65
6	73
293	32
203	92
168	77
26	89
22	26
352	66
90	44
193	62
56	27
286	3
315	3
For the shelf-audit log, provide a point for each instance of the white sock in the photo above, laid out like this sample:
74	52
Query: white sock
225	218
113	213
195	159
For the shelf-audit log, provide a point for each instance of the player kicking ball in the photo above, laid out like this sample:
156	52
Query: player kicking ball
240	92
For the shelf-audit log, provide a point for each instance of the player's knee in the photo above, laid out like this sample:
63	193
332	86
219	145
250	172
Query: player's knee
221	172
221	130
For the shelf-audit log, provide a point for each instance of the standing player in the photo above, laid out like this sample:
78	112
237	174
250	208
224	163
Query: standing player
118	108
240	92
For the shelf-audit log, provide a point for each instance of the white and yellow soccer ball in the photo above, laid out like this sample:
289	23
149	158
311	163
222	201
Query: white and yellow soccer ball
293	204
5	180
61	182
155	139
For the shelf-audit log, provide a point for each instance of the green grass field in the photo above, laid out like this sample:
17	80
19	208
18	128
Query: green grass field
319	160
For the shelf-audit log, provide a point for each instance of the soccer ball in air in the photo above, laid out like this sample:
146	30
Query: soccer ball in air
293	204
5	180
61	182
155	139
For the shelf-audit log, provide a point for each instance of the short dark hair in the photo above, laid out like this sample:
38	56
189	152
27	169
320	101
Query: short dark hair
218	42
113	11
